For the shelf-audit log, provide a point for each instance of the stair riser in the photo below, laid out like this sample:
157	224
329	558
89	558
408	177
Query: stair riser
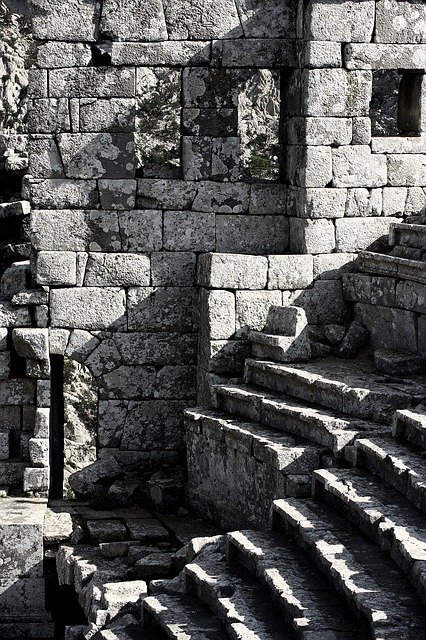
383	537
247	407
277	354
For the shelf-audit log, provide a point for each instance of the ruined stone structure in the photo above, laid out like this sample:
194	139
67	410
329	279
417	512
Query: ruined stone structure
217	204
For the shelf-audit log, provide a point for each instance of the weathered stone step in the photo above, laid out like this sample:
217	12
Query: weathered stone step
369	580
390	265
238	600
280	348
382	514
309	604
350	387
326	428
400	465
410	425
408	235
181	616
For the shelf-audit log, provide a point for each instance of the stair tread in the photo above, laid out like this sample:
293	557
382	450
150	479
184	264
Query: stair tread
318	424
364	573
183	614
410	425
390	265
302	590
402	455
237	598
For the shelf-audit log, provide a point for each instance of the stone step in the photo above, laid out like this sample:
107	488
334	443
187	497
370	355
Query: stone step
382	514
400	465
236	598
368	579
309	604
390	265
181	616
329	429
280	348
408	235
285	321
410	425
351	387
409	253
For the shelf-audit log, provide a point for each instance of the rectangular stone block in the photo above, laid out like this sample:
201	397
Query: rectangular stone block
73	20
232	271
11	316
252	234
364	202
331	266
317	203
64	194
205	20
341	21
359	234
407	170
323	304
92	82
185	54
217	314
133	20
165	194
389	328
118	195
117	270
49	115
88	308
141	230
258	53
55	268
153	425
385	56
113	115
356	166
336	92
252	308
173	269
17	392
400	21
290	272
162	309
56	55
271	19
268	199
128	382
312	236
308	166
97	155
176	382
159	348
189	231
222	197
224	356
319	131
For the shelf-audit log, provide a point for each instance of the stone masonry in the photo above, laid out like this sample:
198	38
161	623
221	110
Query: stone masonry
217	204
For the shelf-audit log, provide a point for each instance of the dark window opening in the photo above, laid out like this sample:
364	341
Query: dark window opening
396	105
57	427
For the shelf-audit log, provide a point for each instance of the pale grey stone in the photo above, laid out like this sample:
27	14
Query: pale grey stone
394	199
14	279
252	234
407	170
341	21
169	53
401	144
81	344
88	308
204	20
96	82
161	309
232	271
356	166
49	116
31	343
384	56
173	269
323	304
73	20
117	270
400	21
322	54
252	308
55	268
331	266
223	197
317	203
54	55
117	194
312	236
112	115
361	131
165	194
336	92
364	202
290	271
97	155
44	157
224	356
58	340
217	313
358	234
3	338
189	231
41	426
309	166
141	230
37	83
64	194
133	20
39	452
104	358
84	482
11	316
319	131
196	158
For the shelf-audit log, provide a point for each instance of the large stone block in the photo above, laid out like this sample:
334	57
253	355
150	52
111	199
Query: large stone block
11	316
358	234
224	356
189	231
389	328
268	199
156	348
252	308
55	268
260	52
364	202
217	314
252	234
49	115
290	272
323	304
162	309
56	55
312	236
92	82
385	56
118	195
127	382
317	203
342	20
222	197
133	20
319	131
165	194
64	194
153	425
97	155
88	308
356	166
169	53
176	382
407	170
232	271
309	166
117	270
141	230
400	21
44	158
115	114
201	20
269	19
173	269
17	392
336	92
331	266
73	20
